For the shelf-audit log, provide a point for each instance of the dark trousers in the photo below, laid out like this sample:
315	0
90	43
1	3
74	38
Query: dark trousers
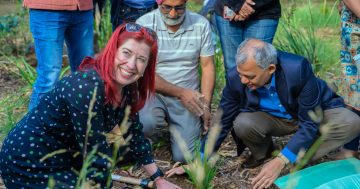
256	129
121	13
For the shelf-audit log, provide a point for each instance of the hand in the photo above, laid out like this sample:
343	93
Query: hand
177	169
228	13
193	101
245	11
161	183
268	174
206	117
239	17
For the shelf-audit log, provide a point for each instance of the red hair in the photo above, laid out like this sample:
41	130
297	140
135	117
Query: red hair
103	63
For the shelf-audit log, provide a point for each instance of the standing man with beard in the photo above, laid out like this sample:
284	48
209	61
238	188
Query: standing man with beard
185	43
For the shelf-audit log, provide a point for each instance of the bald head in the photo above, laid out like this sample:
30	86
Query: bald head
263	53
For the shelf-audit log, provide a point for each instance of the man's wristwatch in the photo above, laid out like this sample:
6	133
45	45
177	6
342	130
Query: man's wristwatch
157	174
283	158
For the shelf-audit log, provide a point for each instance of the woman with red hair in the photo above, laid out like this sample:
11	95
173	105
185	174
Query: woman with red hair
52	140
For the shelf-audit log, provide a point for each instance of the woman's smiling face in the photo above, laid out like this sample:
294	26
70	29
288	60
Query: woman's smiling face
130	62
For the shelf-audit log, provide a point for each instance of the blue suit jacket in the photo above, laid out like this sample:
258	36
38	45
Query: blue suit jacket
299	92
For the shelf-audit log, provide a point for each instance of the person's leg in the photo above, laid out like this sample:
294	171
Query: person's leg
121	13
230	34
353	145
339	127
256	129
349	86
153	116
184	123
47	28
79	37
263	29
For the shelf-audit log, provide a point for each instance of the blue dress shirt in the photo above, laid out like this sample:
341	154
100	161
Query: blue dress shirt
270	102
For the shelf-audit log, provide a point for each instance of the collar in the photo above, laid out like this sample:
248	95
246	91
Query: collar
269	86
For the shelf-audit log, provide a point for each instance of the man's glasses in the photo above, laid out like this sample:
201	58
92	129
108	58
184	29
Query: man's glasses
133	27
179	9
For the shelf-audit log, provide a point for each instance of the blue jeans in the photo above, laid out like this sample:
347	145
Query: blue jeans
233	33
50	29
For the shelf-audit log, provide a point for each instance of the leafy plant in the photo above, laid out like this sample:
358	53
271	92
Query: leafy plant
14	32
219	75
202	166
103	27
301	34
24	71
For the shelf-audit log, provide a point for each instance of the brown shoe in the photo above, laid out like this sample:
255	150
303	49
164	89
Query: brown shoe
251	162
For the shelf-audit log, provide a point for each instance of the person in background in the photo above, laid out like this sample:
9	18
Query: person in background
239	20
207	11
207	8
52	23
185	45
350	52
122	75
129	10
349	86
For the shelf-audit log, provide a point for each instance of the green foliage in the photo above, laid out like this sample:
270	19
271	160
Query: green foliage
321	15
103	27
201	168
194	6
200	172
12	108
14	32
305	31
219	75
24	71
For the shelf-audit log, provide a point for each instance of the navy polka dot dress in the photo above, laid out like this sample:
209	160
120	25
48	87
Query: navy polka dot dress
59	122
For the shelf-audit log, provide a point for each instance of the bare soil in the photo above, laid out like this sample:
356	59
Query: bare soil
9	82
7	7
230	173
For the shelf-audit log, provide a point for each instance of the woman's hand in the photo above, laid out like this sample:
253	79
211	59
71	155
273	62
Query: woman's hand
161	183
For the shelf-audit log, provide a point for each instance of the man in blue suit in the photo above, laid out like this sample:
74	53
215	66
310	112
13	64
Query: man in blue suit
270	93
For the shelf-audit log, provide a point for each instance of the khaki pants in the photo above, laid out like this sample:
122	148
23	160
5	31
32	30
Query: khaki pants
256	129
162	111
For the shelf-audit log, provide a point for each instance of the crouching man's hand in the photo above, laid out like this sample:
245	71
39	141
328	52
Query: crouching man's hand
268	174
193	101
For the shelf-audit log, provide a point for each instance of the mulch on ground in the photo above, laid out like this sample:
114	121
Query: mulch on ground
230	173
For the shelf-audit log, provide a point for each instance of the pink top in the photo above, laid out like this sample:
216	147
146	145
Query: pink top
59	4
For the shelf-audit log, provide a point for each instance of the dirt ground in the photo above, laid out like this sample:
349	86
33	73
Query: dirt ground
7	7
8	80
230	173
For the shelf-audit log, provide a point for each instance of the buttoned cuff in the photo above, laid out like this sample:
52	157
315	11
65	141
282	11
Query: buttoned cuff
289	155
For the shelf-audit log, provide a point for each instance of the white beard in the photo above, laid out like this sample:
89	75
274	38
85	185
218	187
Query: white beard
171	21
